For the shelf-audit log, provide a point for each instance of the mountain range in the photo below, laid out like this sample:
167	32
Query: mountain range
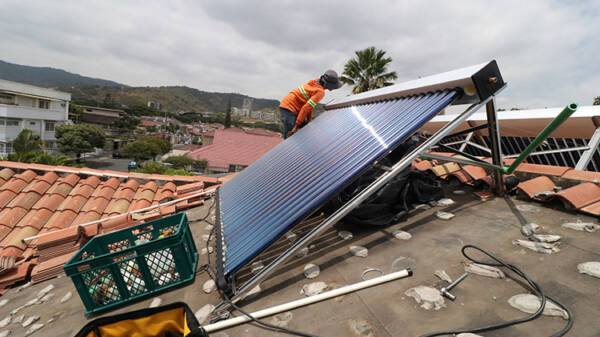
94	91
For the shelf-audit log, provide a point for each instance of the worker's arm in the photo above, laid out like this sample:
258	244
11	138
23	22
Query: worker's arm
307	110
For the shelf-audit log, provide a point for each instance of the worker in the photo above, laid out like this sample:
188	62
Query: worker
297	107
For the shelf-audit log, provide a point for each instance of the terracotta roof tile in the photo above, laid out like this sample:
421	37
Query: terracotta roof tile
166	210
151	185
187	188
581	195
120	206
12	216
582	175
36	218
11	251
97	205
73	203
61	219
6	173
139	204
113	183
71	179
170	186
6	196
60	188
536	185
25	200
16	275
15	185
445	169
86	217
144	194
4	230
593	209
111	205
423	165
49	202
69	234
118	221
26	176
131	184
547	170
105	192
124	193
14	239
92	181
463	177
40	187
475	172
49	177
82	190
164	194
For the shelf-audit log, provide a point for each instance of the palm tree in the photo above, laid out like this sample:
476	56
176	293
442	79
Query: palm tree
26	143
368	70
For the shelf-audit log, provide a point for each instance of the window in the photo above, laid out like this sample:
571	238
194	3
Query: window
236	168
49	126
50	145
12	122
44	104
7	98
2	122
31	123
9	148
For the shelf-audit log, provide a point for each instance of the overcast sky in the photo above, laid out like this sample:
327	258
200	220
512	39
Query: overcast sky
548	51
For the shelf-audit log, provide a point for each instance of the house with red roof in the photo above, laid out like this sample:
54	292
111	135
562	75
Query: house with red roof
231	150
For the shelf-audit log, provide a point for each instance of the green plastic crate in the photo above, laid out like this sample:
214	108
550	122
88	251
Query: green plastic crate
112	270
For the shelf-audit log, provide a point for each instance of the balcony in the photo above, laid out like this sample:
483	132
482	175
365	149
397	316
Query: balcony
23	112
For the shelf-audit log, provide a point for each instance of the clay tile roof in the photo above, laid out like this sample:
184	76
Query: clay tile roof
582	175
170	186
120	206
6	173
86	217
144	194
593	209
422	165
35	218
581	195
49	177
124	193
476	172
463	177
82	190
103	191
92	181
61	219
71	179
151	185
49	202
14	185
536	185
26	176
14	239
139	204
39	187
60	188
12	216
548	170
73	203
163	194
187	188
112	183
6	196
132	184
25	200
97	205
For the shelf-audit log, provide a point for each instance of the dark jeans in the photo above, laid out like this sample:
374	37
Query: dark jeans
288	119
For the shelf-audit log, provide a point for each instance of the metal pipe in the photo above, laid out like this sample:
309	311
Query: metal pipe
494	135
561	118
308	300
433	155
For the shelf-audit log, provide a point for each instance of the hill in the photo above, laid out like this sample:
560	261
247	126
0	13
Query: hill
172	98
48	77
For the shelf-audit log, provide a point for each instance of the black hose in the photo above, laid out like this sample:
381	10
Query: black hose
534	286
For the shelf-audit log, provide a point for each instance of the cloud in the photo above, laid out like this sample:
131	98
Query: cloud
546	50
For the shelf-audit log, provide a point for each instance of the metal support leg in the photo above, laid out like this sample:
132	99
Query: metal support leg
589	153
494	134
467	140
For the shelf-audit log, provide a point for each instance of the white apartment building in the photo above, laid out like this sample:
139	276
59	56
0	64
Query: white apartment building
24	106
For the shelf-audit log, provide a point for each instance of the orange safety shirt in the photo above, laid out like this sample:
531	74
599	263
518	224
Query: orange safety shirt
303	100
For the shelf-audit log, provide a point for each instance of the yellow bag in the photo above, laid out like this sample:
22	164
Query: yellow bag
171	320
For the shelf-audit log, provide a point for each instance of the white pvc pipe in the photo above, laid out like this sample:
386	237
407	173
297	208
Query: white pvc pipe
308	300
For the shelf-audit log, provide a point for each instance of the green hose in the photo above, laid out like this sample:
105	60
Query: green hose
561	118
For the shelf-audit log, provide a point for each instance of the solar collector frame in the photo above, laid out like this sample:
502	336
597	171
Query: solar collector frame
259	204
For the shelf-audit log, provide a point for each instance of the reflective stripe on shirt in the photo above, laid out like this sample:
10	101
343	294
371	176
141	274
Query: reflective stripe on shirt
303	92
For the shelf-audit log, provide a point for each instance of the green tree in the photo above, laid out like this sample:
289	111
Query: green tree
26	144
75	113
368	70
597	101
127	123
79	138
146	147
228	115
180	162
